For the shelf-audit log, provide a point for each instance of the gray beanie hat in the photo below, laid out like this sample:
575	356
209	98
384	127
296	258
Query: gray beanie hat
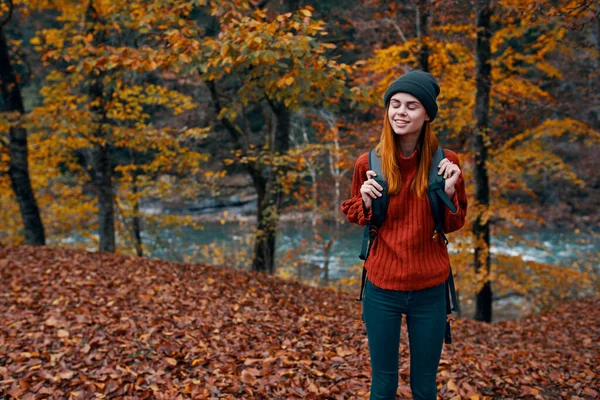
420	84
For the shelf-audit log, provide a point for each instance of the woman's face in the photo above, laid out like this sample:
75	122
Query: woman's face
407	115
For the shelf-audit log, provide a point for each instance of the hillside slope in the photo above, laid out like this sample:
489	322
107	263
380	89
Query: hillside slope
76	323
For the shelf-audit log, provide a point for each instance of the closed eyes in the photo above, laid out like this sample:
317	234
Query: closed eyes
410	106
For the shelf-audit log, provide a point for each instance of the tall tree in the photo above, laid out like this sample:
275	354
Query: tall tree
18	154
263	69
101	171
481	227
109	83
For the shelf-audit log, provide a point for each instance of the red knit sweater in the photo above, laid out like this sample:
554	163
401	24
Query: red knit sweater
404	256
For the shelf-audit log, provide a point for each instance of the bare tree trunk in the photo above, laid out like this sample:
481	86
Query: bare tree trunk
269	207
270	199
596	63
264	245
136	223
104	191
334	153
315	198
312	170
481	229
18	164
327	253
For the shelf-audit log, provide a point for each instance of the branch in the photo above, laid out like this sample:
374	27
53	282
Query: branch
395	25
235	132
273	106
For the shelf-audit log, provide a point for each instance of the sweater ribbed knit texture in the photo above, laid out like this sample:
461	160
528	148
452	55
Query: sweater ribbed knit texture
404	256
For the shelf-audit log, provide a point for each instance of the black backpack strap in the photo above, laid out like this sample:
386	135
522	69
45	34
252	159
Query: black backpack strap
379	204
375	163
378	212
438	200
451	305
437	195
365	242
436	182
369	235
454	306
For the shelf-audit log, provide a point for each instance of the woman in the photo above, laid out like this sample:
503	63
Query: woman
406	268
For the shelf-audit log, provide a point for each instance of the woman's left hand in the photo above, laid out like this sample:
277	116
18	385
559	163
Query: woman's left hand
451	172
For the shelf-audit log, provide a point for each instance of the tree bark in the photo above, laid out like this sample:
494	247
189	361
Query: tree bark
136	221
481	228
18	164
422	32
596	62
105	193
334	155
270	199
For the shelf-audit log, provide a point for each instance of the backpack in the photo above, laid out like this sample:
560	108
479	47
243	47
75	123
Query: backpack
437	200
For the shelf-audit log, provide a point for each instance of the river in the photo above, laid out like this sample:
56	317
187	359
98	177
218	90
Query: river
554	247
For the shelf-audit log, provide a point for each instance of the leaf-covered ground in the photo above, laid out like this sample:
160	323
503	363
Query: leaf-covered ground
81	325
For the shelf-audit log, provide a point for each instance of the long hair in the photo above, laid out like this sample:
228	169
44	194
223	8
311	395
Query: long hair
387	149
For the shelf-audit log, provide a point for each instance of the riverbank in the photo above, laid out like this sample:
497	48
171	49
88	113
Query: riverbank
235	208
241	207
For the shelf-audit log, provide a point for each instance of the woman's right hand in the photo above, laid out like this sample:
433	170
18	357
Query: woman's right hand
370	189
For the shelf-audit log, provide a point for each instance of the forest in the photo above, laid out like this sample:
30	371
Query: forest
214	141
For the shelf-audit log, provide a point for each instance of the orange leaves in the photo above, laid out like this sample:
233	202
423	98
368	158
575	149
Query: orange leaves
196	133
343	352
293	340
62	333
462	390
124	115
306	11
35	41
67	375
249	375
281	58
171	361
287	81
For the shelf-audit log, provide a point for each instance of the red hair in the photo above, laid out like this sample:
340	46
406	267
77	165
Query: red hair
387	150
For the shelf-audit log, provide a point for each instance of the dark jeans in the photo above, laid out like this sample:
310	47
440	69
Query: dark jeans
425	312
